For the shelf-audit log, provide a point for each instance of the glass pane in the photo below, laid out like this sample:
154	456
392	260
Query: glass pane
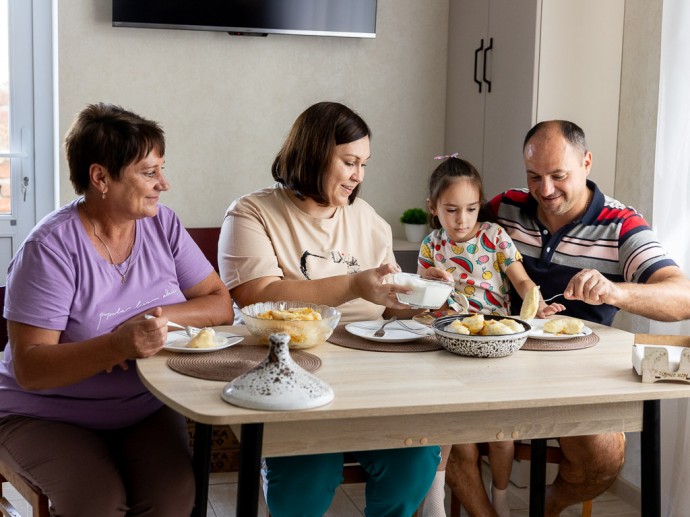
5	201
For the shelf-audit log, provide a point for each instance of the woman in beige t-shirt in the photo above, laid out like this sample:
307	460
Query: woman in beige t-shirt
309	238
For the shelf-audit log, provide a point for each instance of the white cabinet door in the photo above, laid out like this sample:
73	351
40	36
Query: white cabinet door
492	42
509	105
467	36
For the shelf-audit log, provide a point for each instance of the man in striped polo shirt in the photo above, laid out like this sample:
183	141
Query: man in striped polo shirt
604	257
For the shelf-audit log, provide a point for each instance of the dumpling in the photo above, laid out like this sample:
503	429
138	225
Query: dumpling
204	339
512	325
568	326
475	323
457	327
495	328
530	305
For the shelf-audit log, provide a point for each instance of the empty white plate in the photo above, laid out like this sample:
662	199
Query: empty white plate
395	331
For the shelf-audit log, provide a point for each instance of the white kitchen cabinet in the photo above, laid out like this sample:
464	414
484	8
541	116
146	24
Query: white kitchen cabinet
547	59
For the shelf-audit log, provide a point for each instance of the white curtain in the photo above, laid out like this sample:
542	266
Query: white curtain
671	220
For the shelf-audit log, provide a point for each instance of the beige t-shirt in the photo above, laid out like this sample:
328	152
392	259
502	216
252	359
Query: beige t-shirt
265	234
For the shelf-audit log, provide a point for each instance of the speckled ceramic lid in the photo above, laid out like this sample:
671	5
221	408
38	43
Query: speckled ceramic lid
278	383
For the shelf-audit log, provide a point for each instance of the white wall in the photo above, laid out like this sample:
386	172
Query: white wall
226	103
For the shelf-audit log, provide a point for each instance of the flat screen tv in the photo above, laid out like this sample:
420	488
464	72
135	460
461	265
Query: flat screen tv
347	18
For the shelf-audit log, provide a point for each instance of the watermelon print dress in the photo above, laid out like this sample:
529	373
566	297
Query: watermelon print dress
478	265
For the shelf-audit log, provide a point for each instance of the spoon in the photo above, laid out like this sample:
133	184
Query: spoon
461	301
191	331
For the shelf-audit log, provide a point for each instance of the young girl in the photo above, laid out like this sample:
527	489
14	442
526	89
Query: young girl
480	257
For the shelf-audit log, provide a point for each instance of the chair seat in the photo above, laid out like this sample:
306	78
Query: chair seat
34	496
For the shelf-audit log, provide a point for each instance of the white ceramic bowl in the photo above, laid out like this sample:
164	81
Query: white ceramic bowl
479	346
426	294
303	334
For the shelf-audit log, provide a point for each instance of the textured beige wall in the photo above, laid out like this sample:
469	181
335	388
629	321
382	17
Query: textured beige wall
226	103
639	99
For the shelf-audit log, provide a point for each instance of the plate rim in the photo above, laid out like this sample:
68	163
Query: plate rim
383	339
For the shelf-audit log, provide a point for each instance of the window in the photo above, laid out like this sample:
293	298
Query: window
27	133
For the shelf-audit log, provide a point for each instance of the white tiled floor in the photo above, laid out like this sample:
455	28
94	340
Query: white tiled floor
349	501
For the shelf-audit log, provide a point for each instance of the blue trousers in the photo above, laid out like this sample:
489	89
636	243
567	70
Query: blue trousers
398	480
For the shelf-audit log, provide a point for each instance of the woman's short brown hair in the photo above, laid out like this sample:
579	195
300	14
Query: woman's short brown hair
306	154
111	137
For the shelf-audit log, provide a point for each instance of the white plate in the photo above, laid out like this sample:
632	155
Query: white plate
538	332
177	342
395	332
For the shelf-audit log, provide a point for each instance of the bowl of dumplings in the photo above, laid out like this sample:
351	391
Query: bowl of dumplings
481	335
307	324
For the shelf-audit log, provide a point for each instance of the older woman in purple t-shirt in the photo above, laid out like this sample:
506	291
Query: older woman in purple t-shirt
74	417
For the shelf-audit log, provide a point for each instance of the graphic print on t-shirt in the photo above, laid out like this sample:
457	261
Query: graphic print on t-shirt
315	266
478	265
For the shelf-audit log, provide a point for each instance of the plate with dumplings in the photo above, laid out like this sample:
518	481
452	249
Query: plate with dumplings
558	328
203	342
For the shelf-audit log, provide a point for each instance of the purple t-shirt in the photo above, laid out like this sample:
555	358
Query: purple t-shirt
57	280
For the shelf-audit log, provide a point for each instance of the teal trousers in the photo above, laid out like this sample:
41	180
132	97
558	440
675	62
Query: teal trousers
398	480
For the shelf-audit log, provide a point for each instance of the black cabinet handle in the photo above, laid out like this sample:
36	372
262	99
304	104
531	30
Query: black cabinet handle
476	54
490	46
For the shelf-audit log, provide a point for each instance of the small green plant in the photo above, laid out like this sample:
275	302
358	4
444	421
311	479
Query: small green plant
414	216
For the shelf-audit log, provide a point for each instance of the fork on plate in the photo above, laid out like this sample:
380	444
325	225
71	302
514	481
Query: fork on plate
381	331
191	331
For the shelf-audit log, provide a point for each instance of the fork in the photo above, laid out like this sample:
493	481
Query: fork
419	331
381	330
554	296
191	331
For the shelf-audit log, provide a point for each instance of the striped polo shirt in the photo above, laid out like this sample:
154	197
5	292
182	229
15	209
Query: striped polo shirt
610	237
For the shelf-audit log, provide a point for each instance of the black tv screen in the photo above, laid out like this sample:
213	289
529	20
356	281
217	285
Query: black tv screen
348	18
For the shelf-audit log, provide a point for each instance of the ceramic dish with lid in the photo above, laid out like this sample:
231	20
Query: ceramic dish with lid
262	320
426	294
478	345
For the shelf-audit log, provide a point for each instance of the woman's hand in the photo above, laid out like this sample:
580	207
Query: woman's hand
371	285
140	337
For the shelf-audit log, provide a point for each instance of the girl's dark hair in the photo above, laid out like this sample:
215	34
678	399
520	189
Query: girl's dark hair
306	154
109	136
449	170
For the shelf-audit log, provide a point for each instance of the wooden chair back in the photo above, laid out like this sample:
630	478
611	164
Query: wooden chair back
3	322
33	495
207	240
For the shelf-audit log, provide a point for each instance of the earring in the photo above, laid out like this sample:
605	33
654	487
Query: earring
103	196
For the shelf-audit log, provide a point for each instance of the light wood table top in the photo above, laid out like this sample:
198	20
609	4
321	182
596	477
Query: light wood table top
385	400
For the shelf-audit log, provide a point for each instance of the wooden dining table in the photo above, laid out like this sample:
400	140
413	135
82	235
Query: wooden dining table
394	400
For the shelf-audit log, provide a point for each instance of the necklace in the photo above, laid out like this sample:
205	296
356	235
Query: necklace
123	276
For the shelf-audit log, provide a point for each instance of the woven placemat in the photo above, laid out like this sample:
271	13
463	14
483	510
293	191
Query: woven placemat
342	337
226	364
575	343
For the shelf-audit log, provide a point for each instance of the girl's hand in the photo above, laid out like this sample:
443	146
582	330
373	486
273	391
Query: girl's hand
436	273
546	310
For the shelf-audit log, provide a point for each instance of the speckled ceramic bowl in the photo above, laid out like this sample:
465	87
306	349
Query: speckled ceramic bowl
303	334
479	346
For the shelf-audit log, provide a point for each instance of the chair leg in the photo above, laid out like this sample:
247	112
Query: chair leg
587	508
455	506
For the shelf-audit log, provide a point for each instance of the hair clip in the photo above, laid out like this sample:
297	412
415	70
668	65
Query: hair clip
444	156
